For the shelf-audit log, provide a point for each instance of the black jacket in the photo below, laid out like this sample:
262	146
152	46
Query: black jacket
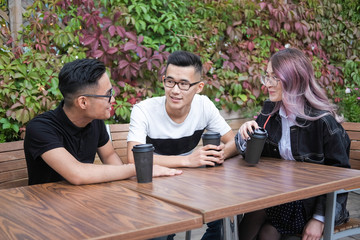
323	141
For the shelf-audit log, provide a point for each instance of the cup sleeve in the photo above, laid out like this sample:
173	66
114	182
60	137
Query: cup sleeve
240	143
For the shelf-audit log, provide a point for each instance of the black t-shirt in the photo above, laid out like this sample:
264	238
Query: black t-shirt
53	129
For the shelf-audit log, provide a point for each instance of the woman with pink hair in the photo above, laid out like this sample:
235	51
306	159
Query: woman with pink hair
302	125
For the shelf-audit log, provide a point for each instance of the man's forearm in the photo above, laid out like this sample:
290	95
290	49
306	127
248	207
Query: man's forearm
170	161
230	149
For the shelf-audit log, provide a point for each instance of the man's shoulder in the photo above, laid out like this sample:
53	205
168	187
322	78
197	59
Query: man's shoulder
43	118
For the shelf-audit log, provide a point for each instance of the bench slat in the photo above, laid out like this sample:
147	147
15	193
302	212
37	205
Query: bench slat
119	144
119	135
352	223
12	155
351	126
12	165
13	175
355	145
11	146
354	136
124	127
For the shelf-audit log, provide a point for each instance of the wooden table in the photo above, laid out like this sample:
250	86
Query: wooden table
100	211
236	188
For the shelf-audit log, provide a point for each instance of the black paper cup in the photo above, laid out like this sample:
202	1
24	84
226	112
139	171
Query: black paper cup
212	138
143	158
255	145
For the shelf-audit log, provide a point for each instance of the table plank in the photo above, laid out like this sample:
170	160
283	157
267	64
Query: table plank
99	211
236	188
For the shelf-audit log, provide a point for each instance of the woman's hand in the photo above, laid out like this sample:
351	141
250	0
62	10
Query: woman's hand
246	128
313	230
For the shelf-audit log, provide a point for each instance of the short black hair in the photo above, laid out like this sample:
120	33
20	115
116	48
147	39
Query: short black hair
79	75
185	59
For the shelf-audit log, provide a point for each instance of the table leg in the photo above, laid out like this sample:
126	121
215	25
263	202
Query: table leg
329	216
230	226
188	235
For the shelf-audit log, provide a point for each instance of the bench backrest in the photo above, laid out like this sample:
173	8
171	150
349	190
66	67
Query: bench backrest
353	130
13	171
119	134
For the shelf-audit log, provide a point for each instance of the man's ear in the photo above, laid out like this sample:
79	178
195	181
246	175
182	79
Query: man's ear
200	87
82	102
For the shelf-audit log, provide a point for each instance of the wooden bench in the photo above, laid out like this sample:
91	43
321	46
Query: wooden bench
353	130
352	227
13	171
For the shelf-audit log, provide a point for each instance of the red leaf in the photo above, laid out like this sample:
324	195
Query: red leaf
262	5
98	53
130	46
256	92
112	50
140	39
88	40
112	30
131	35
104	43
135	66
144	59
271	24
149	65
95	45
238	65
17	104
270	7
229	29
121	31
237	23
224	57
156	63
161	48
123	64
251	46
133	72
158	56
287	26
117	16
140	51
121	83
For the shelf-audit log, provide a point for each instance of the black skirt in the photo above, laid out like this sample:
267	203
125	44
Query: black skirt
288	218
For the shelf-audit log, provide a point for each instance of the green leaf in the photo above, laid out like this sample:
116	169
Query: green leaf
243	97
144	9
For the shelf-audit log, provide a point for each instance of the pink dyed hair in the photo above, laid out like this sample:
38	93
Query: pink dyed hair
300	91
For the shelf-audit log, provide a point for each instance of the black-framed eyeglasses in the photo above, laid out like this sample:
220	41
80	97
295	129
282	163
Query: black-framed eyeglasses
272	80
183	85
105	96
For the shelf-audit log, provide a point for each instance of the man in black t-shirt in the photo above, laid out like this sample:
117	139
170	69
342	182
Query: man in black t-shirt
61	143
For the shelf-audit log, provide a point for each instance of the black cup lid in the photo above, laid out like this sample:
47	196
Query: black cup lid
260	133
211	135
143	147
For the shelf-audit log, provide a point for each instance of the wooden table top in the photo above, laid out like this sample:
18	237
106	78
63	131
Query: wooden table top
236	188
99	211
